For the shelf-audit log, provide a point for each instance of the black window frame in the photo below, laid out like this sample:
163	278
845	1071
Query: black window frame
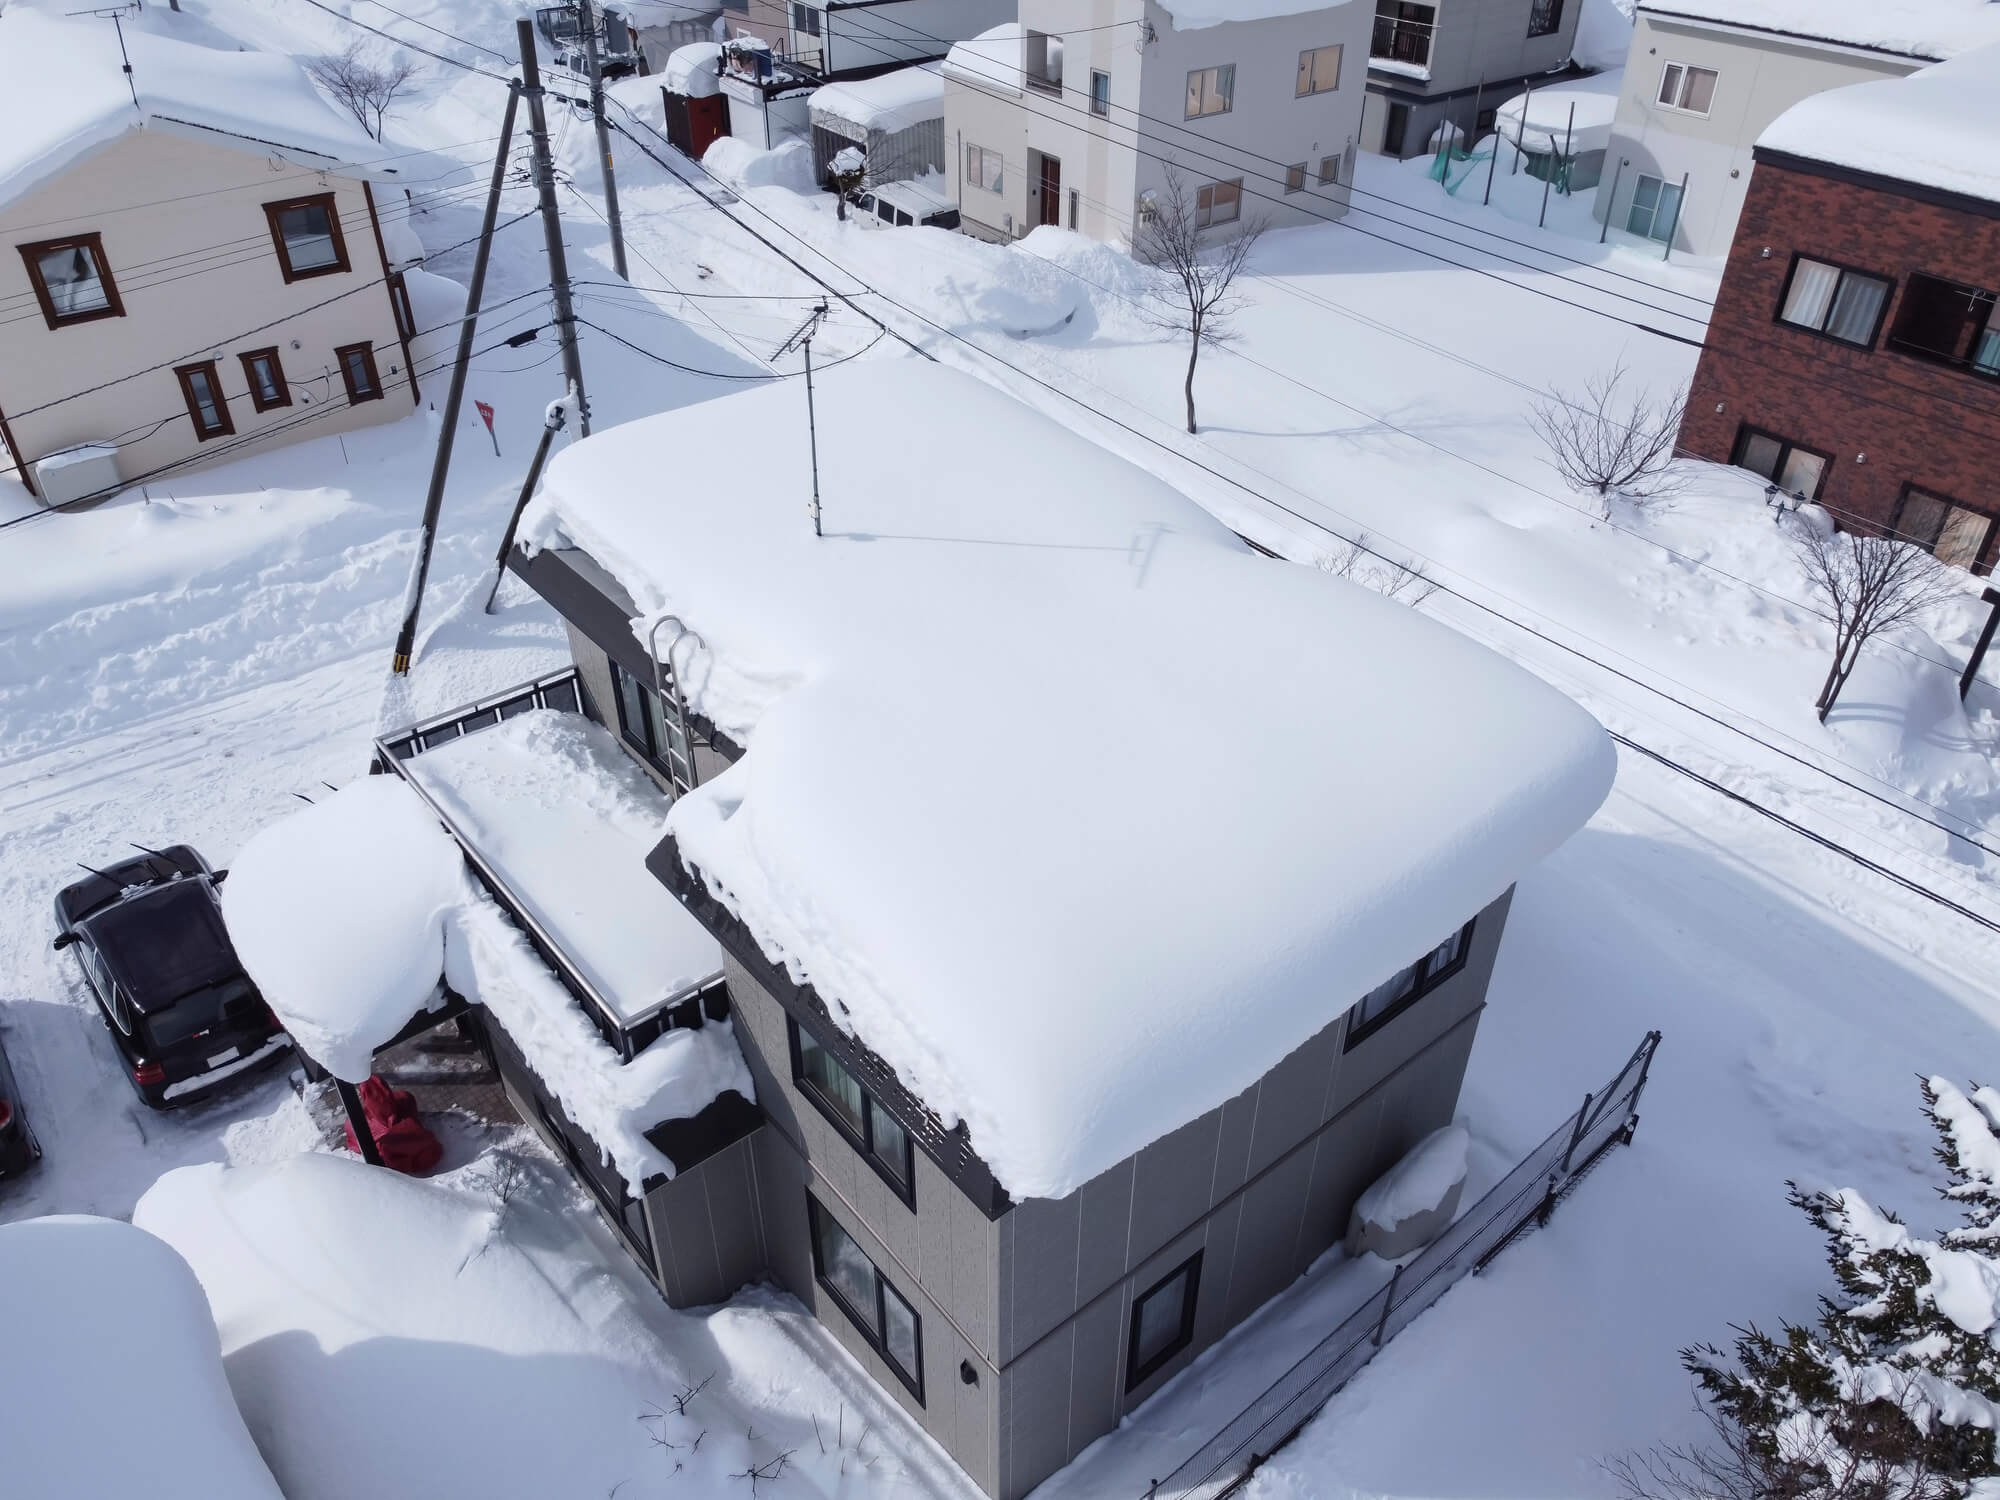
1898	343
1137	1374
1982	562
1747	430
1545	17
863	1140
640	738
876	1336
1889	285
1427	979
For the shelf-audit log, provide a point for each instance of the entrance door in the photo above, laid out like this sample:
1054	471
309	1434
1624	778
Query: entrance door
1397	127
1051	190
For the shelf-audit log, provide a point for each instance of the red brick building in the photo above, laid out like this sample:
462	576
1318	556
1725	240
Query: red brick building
1854	355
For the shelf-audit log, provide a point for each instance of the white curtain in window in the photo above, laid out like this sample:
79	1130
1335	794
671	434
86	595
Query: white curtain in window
1855	308
1811	294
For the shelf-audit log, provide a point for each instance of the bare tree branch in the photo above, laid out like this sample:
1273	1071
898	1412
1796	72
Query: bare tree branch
1610	440
1196	299
1360	561
365	90
1868	584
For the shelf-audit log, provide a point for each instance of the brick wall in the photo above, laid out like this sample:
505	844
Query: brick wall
1916	422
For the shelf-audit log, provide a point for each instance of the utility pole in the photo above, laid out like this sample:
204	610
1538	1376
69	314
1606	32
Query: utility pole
545	183
552	424
587	24
413	599
803	335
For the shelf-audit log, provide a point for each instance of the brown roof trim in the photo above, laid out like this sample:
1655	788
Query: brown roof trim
1917	192
14	452
389	281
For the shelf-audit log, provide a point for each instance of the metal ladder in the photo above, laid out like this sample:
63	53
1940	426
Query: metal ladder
679	749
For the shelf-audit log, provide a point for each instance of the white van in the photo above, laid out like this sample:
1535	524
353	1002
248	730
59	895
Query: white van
907	203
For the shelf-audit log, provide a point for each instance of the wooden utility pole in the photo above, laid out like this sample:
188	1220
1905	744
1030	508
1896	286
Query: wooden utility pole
587	24
545	183
413	599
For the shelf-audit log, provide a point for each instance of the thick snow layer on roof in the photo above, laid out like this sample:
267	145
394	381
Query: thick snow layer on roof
63	95
1076	811
567	820
995	59
1936	127
691	70
1915	28
1540	121
888	102
1197	15
337	911
116	1385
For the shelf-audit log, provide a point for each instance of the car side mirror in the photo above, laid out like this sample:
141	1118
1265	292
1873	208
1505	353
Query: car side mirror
63	940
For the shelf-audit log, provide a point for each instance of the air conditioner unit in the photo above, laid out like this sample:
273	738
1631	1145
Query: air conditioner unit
77	473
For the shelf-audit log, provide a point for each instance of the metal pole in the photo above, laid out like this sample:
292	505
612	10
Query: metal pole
812	430
587	21
1992	597
1514	166
357	1121
1555	164
1668	248
545	182
550	427
1576	1133
1388	1306
413	599
1492	161
1612	202
1569	134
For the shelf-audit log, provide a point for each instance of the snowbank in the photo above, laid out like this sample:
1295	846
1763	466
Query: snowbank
1541	122
1034	925
995	59
1198	15
337	911
1917	28
743	166
116	1385
692	70
1936	127
1420	1181
888	102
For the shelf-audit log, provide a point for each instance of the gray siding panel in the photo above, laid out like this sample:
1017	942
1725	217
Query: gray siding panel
1267	1236
1104	1232
1041	1286
1174	1184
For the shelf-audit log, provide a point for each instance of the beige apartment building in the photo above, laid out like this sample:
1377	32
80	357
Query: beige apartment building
198	263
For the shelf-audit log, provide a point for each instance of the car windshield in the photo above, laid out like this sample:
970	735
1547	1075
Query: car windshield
165	943
231	1001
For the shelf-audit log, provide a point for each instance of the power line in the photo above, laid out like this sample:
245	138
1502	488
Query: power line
413	46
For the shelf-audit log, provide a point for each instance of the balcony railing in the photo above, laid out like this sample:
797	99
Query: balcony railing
1401	41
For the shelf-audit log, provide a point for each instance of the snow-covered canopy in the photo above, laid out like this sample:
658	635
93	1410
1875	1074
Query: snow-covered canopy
1540	121
1915	28
1076	811
888	102
995	59
1936	127
64	95
1198	15
691	71
115	1385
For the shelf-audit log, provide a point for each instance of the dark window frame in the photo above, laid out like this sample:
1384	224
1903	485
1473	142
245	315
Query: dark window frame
1895	343
1427	980
639	737
1881	313
1545	17
367	351
249	358
1100	99
1982	562
875	1337
332	207
1747	430
863	1141
93	242
1137	1374
227	426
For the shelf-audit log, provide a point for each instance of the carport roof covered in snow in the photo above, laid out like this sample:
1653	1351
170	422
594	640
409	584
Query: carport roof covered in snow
884	104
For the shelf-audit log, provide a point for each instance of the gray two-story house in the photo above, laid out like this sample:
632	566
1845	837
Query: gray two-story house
1102	906
1453	62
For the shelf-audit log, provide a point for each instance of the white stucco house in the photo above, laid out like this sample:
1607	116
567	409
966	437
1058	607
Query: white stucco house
1073	113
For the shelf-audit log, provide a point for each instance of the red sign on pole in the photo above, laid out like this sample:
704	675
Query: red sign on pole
486	416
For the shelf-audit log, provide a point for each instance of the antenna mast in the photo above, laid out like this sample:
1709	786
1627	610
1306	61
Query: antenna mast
802	337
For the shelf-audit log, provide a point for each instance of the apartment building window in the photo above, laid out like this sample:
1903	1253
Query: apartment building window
1162	1321
869	1128
357	371
643	725
1545	18
985	169
1794	469
1295	178
1403	32
266	378
1100	92
306	234
1950	322
72	280
1218	203
1042	61
1211	91
1841	303
208	409
1406	987
1955	534
884	1315
805	18
1319	71
1688	89
1329	169
1655	209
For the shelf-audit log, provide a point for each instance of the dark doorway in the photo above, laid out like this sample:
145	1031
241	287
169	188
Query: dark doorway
1397	127
1051	190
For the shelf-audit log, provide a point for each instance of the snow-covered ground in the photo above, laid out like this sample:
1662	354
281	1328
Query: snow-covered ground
176	666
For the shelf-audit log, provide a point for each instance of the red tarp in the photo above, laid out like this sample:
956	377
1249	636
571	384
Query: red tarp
399	1135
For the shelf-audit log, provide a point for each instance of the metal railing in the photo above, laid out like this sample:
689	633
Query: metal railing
1525	1197
1397	40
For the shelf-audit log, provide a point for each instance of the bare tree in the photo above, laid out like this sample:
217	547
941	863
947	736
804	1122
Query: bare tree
1868	584
847	174
365	90
1611	438
1358	560
1197	300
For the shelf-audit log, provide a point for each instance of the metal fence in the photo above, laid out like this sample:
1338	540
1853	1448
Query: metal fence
1525	1196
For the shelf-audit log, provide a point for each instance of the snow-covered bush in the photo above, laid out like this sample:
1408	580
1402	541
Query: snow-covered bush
1890	1394
846	173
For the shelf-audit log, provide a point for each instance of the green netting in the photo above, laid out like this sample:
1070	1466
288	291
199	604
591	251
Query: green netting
1454	168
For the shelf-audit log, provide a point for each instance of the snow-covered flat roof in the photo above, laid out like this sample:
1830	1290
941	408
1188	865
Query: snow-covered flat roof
888	102
1198	15
995	59
1076	811
1912	28
1935	128
1540	120
64	95
691	71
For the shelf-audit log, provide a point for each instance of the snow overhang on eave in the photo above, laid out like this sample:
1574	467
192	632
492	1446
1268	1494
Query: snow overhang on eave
1796	38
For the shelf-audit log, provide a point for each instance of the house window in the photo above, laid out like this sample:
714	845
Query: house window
1949	322
201	387
1656	208
1042	61
266	379
72	281
1100	92
1403	32
869	1128
1793	469
985	169
399	300
306	232
1218	203
1545	18
1956	534
1162	1321
806	19
1295	178
1688	89
1329	170
1842	304
646	728
882	1313
357	369
1319	71
1210	91
1404	988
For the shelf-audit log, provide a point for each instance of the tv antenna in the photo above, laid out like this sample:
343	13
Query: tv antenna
802	338
114	14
